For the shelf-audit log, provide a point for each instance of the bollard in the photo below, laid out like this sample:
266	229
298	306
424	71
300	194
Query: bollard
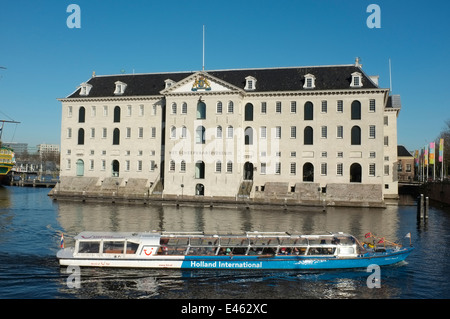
427	205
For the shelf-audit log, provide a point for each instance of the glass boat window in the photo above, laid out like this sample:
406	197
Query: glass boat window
89	247
204	241
131	247
293	241
113	247
233	241
175	241
321	251
264	241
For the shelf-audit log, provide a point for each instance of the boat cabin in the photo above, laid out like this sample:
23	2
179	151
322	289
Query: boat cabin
199	244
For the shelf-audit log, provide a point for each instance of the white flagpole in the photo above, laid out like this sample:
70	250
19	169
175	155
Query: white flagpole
203	65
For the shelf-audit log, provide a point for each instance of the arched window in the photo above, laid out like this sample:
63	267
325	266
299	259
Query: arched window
173	132
308	111
81	136
230	107
248	136
200	135
184	108
200	170
356	135
308	172
219	107
201	110
308	136
117	114
174	108
172	166
356	110
81	115
183	166
219	132
116	136
229	167
355	173
248	112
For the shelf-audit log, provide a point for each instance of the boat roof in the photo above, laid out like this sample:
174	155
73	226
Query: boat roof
94	235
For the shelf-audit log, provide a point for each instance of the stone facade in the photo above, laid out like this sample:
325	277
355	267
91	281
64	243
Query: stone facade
303	135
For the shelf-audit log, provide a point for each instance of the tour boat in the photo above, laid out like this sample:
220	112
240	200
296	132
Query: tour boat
250	250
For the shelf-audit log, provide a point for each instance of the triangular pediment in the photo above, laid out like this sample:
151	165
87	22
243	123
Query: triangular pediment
200	82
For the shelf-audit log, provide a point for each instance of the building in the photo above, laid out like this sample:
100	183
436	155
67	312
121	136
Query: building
298	134
405	167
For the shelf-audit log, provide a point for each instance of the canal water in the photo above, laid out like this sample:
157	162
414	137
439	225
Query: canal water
31	223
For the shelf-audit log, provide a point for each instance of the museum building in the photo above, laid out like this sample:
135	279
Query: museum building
293	134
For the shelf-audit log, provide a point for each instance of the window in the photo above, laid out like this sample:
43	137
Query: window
309	81
308	136
129	110
219	132
293	107
183	166
152	165
324	108
293	131
218	166
371	169
340	106
120	88
293	169
103	165
323	169
308	172
200	135
372	155
141	110
371	105
229	132
324	132
174	108
173	132
356	135
81	115
91	165
248	112
105	110
127	165
250	83
116	136
371	131
230	107
339	169
117	114
278	132
85	88
219	108
128	132
172	166
248	136
81	136
263	168
92	132
263	132
263	107
356	110
93	111
229	167
386	170
153	132
139	166
340	154
201	110
277	168
386	120
308	111
278	107
386	141
69	133
69	111
140	132
184	108
104	132
356	80
340	132
183	132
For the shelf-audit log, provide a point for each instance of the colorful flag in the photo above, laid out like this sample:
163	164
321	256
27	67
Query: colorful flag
416	158
426	155
381	240
432	146
441	150
368	235
62	240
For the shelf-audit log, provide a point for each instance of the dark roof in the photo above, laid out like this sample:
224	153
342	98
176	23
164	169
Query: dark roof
402	151
268	80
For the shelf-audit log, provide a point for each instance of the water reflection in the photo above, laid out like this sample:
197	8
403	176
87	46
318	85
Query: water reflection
76	217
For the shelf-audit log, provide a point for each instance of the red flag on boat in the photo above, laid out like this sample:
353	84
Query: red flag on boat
381	240
368	235
62	240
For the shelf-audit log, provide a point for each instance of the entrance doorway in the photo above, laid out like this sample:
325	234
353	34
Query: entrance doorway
248	171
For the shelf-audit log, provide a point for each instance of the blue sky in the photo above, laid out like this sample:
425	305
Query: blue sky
46	60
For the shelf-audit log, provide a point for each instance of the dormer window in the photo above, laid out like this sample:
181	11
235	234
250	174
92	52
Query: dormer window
356	80
250	83
169	83
85	88
310	81
120	88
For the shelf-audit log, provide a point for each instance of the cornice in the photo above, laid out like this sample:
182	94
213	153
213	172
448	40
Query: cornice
112	98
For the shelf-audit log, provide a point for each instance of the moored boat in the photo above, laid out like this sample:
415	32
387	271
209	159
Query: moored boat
250	250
